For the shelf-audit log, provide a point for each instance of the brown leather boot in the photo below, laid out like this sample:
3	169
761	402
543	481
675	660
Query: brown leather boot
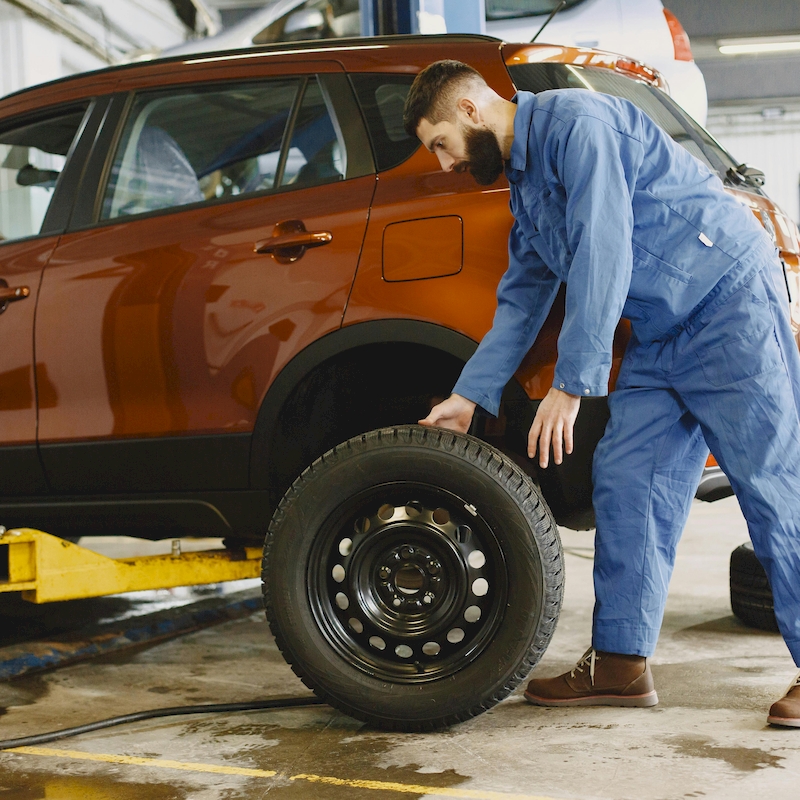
786	711
598	679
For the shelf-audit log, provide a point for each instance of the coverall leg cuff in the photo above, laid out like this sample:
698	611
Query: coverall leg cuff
626	640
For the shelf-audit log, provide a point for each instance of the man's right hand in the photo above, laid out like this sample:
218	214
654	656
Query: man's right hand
455	413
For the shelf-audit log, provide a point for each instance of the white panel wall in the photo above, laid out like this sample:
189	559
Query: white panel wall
32	52
12	66
771	144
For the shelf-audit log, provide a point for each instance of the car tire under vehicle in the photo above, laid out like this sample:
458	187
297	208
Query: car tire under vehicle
751	595
413	577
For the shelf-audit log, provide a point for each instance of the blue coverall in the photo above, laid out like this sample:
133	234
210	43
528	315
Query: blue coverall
606	202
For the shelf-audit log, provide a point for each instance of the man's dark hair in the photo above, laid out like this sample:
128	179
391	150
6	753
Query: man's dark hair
433	93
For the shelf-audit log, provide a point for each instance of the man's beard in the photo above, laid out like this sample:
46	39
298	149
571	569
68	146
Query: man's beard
484	158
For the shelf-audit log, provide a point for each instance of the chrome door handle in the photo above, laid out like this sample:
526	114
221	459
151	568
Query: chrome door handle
290	240
10	294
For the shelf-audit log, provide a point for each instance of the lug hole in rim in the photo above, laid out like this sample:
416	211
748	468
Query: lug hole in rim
441	516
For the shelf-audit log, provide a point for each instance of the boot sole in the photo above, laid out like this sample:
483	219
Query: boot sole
620	701
784	722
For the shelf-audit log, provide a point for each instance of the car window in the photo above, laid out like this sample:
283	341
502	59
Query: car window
382	98
316	150
203	144
314	19
32	157
654	102
507	9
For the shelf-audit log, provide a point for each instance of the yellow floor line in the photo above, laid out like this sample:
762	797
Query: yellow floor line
386	786
410	788
144	762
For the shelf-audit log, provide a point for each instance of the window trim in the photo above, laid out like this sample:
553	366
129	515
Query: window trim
60	207
286	136
94	179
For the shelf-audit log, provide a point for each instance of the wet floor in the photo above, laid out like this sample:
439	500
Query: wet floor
707	738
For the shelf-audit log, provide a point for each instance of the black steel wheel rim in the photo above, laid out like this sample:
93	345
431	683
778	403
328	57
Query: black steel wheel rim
407	582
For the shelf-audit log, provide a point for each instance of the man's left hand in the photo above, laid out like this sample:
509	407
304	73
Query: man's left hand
553	425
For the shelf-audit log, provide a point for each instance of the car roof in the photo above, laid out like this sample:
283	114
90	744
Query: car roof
406	53
307	47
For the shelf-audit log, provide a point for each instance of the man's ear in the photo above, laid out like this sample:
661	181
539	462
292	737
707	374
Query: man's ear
468	110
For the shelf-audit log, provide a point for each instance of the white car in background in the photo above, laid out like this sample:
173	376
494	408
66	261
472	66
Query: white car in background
641	29
282	21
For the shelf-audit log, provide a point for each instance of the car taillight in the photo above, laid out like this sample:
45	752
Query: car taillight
680	39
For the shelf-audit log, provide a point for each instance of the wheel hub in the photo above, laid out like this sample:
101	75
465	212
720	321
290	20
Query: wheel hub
410	578
408	582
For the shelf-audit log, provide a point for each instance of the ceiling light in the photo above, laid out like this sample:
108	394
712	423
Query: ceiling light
760	44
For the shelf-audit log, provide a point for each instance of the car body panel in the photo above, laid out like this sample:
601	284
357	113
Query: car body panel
169	353
21	264
188	324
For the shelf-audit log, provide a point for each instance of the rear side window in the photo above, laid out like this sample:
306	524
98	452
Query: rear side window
32	157
667	114
202	144
382	98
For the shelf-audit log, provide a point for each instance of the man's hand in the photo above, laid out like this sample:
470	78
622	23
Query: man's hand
454	413
553	424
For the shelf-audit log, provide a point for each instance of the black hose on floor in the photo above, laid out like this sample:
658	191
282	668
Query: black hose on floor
175	711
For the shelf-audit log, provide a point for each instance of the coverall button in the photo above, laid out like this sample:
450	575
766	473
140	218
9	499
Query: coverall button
560	385
586	391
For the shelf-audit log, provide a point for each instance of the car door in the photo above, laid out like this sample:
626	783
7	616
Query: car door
35	190
224	238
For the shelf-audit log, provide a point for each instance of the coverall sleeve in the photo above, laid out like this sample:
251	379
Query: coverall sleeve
525	295
597	166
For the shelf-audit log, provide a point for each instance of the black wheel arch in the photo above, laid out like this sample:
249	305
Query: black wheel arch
328	351
346	383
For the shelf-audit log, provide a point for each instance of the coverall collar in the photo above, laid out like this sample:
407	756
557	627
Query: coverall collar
522	122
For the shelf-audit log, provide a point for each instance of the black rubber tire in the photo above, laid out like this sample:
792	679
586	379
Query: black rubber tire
485	499
751	595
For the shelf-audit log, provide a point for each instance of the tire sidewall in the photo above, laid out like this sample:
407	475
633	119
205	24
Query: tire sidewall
344	473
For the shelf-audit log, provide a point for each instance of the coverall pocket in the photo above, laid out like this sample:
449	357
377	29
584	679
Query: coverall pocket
646	258
741	356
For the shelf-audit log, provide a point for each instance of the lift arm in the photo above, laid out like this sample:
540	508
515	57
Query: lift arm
45	568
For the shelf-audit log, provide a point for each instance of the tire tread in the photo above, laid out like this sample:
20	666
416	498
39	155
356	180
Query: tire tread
518	485
751	595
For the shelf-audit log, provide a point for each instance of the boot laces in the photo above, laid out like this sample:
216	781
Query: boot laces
795	682
589	659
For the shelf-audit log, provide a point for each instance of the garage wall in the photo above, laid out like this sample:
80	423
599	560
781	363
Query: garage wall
31	53
80	37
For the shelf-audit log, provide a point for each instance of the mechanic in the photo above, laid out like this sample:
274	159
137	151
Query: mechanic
605	202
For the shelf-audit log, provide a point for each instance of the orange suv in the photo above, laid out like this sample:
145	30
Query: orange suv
216	268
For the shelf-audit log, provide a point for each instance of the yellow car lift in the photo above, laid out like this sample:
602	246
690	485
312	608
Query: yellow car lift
45	568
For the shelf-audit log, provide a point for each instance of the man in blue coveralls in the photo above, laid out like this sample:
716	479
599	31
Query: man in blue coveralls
604	201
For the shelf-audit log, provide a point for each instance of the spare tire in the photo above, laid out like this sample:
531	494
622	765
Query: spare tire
751	595
413	577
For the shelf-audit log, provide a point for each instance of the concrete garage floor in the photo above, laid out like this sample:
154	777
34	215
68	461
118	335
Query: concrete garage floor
706	739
